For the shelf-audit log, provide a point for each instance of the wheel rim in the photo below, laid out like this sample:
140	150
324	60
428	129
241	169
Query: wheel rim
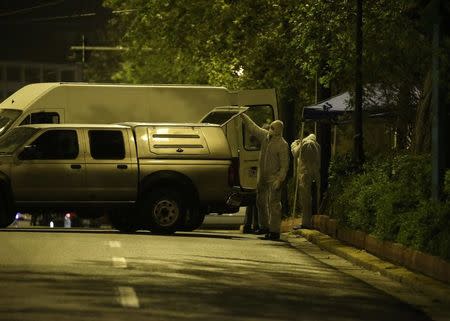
166	213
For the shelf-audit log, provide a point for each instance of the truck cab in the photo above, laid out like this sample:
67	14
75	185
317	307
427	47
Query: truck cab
161	177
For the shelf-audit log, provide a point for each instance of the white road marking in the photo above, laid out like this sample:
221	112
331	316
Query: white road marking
128	297
119	262
114	244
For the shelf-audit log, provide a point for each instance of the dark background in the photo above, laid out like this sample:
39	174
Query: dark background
43	31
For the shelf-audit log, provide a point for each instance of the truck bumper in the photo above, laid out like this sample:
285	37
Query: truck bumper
241	197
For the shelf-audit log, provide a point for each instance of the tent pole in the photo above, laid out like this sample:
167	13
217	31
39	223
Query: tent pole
296	162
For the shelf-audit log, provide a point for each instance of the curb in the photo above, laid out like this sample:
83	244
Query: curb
421	262
436	290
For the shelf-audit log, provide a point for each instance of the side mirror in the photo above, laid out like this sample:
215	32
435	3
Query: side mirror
29	152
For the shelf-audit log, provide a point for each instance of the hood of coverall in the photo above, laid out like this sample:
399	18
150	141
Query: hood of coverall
276	129
310	137
310	156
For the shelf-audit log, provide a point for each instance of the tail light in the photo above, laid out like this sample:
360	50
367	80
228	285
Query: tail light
233	172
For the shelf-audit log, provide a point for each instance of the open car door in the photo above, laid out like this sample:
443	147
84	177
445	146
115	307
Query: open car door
243	146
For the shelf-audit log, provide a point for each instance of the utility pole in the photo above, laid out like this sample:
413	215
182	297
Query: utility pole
357	115
83	50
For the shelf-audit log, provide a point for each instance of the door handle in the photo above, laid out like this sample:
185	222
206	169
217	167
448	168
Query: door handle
122	166
75	166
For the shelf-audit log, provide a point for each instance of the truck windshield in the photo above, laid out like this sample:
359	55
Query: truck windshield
15	138
7	117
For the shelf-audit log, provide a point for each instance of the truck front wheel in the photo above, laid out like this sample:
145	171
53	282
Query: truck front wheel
163	209
123	222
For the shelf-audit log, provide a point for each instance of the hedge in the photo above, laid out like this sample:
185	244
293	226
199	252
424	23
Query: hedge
391	199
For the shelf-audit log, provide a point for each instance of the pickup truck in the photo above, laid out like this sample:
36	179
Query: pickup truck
152	176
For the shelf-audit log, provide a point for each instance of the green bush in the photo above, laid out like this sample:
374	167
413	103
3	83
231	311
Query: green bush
407	186
390	198
427	228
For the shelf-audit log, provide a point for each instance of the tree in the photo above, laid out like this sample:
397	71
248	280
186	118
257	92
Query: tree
273	43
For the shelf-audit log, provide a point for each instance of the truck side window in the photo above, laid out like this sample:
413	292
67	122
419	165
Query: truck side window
41	118
262	115
106	144
56	144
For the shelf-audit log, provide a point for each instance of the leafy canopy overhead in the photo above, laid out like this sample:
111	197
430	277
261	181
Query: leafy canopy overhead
269	43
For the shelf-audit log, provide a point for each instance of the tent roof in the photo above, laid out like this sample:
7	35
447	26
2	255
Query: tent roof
329	108
375	101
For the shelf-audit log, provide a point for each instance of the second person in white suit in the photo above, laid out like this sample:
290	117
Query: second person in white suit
307	154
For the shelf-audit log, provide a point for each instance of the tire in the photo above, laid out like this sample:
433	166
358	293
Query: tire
193	220
163	210
6	214
120	220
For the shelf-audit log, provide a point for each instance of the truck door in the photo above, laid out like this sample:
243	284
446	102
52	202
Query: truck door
111	166
50	168
263	109
242	144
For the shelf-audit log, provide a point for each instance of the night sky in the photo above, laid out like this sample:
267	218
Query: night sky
44	30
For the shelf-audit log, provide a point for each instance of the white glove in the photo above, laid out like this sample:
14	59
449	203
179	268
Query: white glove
295	144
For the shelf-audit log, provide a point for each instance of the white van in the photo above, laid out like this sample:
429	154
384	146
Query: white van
113	103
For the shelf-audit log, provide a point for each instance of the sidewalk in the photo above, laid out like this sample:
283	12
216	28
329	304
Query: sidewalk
437	291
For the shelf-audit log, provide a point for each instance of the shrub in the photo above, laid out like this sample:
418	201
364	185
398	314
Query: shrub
390	198
408	185
427	228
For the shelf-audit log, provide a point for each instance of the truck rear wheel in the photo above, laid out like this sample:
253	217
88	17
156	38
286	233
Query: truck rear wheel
163	209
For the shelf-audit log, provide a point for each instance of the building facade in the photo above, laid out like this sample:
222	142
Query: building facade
16	74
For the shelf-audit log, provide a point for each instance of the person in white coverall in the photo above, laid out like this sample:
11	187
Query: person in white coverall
307	155
273	168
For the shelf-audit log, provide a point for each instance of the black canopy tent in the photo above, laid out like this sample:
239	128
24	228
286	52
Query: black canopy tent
327	109
376	104
338	109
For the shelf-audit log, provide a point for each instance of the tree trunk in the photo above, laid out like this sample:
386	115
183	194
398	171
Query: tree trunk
403	117
422	129
358	150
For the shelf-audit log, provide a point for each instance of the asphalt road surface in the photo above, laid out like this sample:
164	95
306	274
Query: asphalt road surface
205	275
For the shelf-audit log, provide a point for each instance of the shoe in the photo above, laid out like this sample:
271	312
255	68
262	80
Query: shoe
272	236
261	231
247	230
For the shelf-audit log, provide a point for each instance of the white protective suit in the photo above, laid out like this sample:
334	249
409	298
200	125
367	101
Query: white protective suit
307	155
273	167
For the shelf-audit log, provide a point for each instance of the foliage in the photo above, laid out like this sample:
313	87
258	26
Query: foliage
427	228
390	198
102	67
270	43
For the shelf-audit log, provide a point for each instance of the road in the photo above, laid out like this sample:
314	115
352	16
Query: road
63	274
